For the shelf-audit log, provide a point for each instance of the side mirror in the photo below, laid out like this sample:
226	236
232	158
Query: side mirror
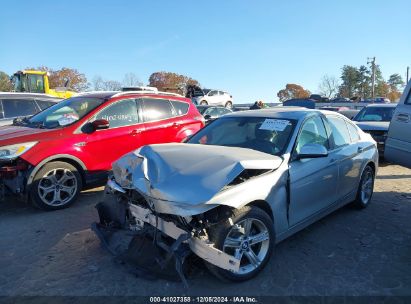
312	151
208	117
100	124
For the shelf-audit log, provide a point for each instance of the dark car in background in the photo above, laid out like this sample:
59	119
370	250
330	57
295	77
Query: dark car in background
14	105
375	120
211	113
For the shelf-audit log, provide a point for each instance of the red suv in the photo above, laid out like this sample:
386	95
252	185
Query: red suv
51	156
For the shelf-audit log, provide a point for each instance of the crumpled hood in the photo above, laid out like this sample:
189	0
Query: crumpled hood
373	125
187	173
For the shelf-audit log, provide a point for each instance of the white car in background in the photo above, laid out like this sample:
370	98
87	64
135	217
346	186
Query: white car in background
213	97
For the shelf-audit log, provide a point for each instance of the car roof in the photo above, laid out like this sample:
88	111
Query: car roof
26	95
382	105
110	94
285	112
98	94
209	106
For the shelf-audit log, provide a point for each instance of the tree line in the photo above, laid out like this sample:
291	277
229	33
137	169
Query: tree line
353	83
77	81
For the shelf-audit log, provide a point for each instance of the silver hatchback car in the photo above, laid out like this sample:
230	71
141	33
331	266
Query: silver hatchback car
240	185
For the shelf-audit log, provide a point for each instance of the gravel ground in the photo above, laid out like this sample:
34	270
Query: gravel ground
349	252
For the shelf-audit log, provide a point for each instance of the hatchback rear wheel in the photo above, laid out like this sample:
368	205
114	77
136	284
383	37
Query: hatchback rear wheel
55	186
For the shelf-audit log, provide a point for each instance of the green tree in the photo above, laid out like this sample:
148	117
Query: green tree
5	84
350	77
396	82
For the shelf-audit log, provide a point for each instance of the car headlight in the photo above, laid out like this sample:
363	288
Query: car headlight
14	151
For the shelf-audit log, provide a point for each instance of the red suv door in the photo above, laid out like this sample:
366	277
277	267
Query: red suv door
160	121
122	136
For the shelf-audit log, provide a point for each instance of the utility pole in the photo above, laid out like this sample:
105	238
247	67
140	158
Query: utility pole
372	61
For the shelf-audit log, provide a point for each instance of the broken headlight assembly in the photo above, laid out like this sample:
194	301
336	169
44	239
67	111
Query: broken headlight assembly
13	151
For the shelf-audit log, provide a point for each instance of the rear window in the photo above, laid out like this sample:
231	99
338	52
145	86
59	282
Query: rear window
156	109
180	108
353	132
19	107
339	131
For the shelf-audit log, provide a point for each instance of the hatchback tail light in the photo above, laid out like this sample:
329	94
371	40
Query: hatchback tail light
200	118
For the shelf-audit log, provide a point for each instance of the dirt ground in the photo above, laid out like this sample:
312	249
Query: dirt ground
349	252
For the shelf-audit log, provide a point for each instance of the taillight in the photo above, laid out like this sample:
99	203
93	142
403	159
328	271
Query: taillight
200	118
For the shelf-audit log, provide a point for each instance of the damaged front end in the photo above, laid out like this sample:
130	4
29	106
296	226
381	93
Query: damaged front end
13	177
155	245
172	195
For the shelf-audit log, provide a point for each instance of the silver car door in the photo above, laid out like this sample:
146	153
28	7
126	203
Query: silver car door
348	155
313	182
398	143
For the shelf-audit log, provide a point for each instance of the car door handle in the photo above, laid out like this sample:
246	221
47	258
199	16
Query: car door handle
403	117
135	132
360	149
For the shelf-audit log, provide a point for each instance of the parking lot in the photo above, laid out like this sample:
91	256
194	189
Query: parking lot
350	252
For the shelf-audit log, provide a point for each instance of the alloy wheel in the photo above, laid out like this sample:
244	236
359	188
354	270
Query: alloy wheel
248	241
367	186
57	187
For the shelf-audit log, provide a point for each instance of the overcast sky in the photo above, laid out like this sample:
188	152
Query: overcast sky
248	48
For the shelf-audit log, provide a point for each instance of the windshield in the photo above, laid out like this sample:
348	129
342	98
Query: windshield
64	113
268	135
375	114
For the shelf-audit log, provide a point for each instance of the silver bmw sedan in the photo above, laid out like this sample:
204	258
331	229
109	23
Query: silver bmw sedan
240	185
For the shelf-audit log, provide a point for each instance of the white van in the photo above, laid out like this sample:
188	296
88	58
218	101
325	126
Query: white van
398	144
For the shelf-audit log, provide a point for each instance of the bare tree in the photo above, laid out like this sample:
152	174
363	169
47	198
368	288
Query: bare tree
131	80
112	85
98	83
329	86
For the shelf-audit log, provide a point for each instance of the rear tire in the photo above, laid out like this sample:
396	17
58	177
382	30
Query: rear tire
203	103
228	104
55	186
365	188
252	245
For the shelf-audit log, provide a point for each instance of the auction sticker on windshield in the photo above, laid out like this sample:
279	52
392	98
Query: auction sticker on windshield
274	124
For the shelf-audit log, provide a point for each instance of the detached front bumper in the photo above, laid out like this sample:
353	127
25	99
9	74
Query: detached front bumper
122	219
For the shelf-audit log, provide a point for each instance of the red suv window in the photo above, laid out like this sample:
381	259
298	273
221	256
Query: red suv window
156	109
121	113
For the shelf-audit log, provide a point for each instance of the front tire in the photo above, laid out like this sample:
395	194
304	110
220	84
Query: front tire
55	186
203	103
365	189
229	105
251	240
